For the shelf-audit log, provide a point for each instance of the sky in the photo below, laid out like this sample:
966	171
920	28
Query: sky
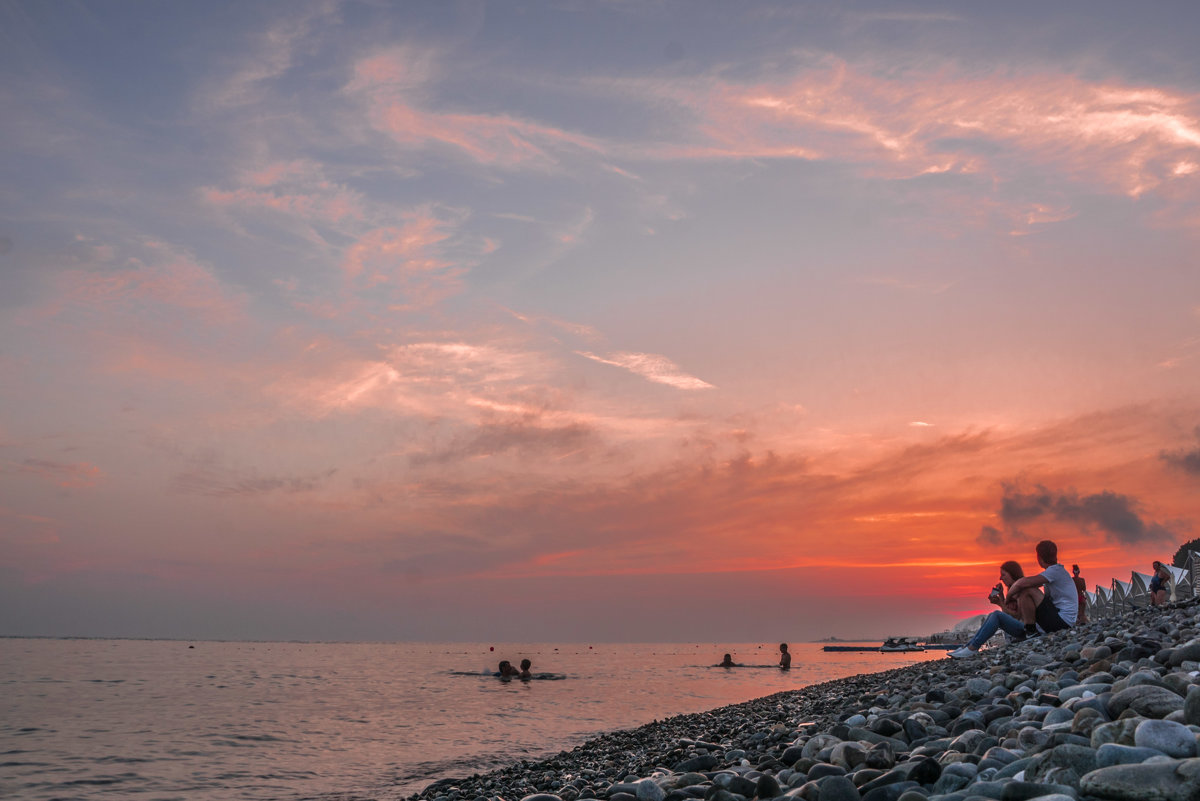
588	321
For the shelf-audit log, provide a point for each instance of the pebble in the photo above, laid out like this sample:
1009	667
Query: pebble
1108	711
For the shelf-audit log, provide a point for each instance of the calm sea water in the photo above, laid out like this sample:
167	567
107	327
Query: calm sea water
158	719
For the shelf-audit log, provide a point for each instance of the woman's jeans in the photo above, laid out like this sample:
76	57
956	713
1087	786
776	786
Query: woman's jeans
996	620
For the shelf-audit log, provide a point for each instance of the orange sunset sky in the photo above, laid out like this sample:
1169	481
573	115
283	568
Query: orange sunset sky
558	321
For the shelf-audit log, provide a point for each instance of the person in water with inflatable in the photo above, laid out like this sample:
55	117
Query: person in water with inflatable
785	658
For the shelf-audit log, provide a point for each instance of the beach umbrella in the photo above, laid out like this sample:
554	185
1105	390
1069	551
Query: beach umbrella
1121	590
1139	590
1181	583
1192	566
1103	601
1089	604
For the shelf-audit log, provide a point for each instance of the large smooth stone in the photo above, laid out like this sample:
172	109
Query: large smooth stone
700	763
1119	732
740	785
1191	706
926	770
1020	791
825	769
767	787
1147	700
839	788
1173	739
816	745
1153	781
1063	765
848	755
648	790
1188	652
891	792
1111	754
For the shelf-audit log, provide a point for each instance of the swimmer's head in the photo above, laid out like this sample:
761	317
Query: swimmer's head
525	664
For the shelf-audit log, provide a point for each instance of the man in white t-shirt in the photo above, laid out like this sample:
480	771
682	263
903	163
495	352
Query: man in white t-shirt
1059	607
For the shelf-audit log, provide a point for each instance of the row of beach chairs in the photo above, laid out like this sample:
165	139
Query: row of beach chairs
1124	596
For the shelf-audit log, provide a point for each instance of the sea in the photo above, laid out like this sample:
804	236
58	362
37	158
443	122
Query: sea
169	719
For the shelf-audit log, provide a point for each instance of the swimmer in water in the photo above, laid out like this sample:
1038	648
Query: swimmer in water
727	661
785	659
525	675
506	671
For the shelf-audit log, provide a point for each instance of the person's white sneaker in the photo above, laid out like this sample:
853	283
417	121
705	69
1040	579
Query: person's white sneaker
963	653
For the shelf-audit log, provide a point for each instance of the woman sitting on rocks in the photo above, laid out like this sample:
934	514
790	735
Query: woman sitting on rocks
1010	571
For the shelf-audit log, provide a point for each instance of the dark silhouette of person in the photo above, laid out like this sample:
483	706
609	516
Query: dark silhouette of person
1080	588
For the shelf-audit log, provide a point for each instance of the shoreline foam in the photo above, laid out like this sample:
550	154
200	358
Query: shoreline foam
1109	710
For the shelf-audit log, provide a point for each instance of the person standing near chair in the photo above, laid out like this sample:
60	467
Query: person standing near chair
1081	599
1160	585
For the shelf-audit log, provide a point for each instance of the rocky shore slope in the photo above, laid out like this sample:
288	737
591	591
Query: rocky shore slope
1109	710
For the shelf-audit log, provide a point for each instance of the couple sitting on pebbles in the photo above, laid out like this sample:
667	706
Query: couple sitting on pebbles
1027	609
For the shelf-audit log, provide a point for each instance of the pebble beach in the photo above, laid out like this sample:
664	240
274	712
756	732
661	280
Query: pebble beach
1107	710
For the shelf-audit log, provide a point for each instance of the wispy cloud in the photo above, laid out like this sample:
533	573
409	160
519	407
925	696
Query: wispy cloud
526	436
1131	139
423	378
407	259
64	474
143	278
326	203
650	366
216	481
1185	459
926	287
272	55
579	330
391	83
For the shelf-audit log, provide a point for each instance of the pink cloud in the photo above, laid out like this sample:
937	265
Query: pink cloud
650	366
77	474
325	202
283	172
164	278
450	378
1130	139
408	257
390	83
